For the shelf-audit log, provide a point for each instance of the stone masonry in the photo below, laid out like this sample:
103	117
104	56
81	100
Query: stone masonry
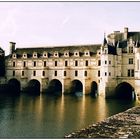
122	125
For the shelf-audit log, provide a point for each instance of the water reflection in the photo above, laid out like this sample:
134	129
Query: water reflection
51	116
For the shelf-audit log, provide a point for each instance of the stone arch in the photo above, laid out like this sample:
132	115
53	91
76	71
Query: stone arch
94	88
14	86
33	87
54	87
125	90
76	88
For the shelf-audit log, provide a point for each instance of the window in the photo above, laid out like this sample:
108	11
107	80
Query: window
138	64
66	54
98	73
131	49
14	63
87	53
109	73
105	73
105	51
65	73
109	61
105	62
99	62
76	53
76	63
66	63
76	73
24	64
45	63
34	63
130	73
85	73
86	63
55	73
56	54
43	73
24	55
14	55
34	73
22	73
35	55
130	61
55	63
13	73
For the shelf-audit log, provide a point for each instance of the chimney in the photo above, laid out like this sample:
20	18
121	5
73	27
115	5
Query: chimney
125	33
12	47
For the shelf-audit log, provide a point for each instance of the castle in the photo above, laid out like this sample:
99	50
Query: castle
108	69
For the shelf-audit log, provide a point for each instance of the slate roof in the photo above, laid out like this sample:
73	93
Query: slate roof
134	35
122	44
119	36
60	49
111	49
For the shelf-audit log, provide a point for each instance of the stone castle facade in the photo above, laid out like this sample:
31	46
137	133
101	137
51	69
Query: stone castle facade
98	69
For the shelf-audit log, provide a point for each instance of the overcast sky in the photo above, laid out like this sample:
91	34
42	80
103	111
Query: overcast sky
37	24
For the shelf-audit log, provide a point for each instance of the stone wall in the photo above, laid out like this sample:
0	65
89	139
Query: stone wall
122	125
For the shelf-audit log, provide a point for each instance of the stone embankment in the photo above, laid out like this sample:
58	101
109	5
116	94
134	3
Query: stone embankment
122	125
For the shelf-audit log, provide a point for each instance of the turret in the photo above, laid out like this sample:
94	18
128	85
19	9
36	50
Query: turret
104	46
12	47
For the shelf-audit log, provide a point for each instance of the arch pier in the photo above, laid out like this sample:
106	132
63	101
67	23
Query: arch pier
54	87
33	87
14	86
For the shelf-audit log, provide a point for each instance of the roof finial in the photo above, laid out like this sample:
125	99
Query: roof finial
104	35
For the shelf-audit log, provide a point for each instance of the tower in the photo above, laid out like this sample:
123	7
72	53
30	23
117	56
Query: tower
2	62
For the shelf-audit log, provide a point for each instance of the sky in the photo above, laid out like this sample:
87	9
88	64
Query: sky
40	24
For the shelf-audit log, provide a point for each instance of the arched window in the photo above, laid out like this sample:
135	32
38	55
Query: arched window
35	55
66	53
14	55
86	53
56	54
45	54
24	55
76	53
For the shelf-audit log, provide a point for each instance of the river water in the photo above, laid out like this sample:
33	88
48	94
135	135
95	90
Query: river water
53	117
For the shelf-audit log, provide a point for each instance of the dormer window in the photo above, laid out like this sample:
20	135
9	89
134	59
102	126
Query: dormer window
45	54
56	54
66	54
14	55
106	51
87	53
130	49
76	53
24	55
35	55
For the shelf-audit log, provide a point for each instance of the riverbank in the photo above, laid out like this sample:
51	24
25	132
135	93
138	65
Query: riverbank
122	125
